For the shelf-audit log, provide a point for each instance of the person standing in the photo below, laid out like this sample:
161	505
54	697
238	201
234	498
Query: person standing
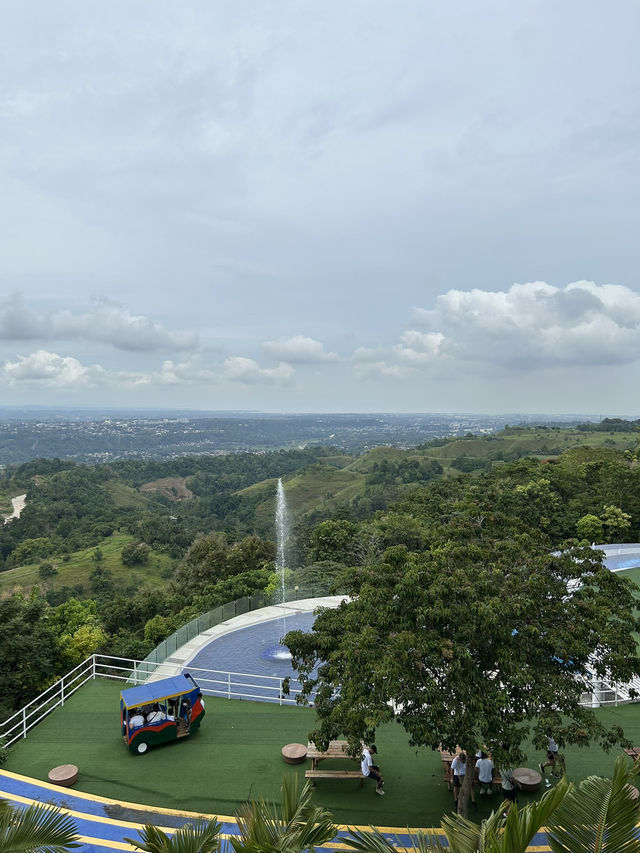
509	790
459	770
552	754
484	766
369	769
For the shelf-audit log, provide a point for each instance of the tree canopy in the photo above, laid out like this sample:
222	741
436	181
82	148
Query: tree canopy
482	638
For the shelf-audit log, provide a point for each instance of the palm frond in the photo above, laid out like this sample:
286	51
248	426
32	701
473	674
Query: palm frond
522	824
201	838
151	839
40	828
296	826
598	816
373	841
462	834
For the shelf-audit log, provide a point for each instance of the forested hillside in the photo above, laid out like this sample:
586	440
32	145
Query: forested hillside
115	557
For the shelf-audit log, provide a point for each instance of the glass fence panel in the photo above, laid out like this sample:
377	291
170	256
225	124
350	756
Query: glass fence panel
214	617
228	610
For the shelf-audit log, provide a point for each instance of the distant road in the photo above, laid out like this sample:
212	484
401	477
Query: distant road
18	504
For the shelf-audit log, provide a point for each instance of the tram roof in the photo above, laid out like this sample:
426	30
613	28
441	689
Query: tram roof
154	691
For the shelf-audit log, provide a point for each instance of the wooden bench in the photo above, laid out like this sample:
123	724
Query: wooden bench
334	774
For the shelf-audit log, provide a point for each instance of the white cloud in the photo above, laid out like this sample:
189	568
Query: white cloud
187	372
298	350
248	371
420	348
48	369
107	322
376	369
537	325
365	354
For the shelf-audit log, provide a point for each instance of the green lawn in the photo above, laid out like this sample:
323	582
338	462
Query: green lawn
236	756
632	574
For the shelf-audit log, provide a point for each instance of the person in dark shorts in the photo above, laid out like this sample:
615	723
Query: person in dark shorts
459	770
552	754
509	790
371	770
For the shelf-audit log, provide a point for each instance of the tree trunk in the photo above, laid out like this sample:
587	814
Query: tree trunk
467	784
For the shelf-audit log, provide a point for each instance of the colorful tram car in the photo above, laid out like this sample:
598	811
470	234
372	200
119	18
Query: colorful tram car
160	711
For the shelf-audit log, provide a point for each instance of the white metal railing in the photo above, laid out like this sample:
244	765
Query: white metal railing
26	718
229	685
212	682
601	693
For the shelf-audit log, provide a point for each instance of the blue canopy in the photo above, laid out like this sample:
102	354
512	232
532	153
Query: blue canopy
156	691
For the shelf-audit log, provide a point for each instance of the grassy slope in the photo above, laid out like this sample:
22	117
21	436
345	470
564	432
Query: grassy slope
81	564
322	485
327	487
124	495
236	755
319	486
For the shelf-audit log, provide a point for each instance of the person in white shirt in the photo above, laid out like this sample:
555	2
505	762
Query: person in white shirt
484	766
369	769
136	719
552	754
459	769
156	716
509	790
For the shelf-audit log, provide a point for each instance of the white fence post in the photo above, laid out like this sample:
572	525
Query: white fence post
228	685
62	690
24	722
280	693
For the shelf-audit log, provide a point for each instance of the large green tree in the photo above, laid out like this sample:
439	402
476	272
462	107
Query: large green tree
29	650
485	638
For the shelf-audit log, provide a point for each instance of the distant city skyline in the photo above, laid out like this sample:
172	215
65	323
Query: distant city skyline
373	207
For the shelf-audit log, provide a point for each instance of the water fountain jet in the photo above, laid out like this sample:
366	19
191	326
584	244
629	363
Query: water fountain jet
281	652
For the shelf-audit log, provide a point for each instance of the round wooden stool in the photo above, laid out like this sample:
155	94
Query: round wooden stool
294	753
65	775
526	779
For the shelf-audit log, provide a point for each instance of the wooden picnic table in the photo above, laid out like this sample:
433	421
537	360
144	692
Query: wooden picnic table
634	753
337	749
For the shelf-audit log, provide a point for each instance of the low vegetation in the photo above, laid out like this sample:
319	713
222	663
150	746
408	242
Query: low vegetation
138	562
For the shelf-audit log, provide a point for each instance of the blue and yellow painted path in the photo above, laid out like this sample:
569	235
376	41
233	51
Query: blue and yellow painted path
103	824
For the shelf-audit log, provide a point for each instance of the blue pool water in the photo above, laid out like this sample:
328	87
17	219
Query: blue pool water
621	557
253	650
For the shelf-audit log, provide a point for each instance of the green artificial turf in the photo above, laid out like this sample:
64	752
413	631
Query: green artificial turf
236	756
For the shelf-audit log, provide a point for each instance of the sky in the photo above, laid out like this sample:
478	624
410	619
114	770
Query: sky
293	206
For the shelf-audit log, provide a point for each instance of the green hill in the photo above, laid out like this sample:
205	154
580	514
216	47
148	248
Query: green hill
72	509
74	570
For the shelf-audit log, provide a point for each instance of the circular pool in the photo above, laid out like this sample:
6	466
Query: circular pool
253	650
617	558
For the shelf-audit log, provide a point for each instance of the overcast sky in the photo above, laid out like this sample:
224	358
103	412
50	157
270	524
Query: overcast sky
337	206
